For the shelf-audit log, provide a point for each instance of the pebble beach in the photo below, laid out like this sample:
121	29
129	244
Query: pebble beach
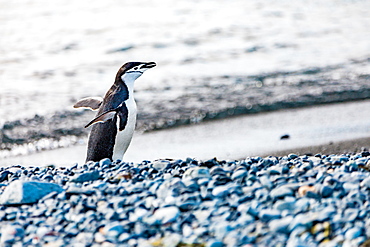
320	200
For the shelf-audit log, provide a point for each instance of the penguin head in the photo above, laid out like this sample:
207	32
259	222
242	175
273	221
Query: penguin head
130	71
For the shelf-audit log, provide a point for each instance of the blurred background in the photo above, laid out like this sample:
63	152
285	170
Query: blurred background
216	59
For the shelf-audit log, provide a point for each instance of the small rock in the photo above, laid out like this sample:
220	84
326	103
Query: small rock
284	137
281	192
284	205
365	183
23	192
350	187
327	213
220	191
214	243
326	191
239	174
302	191
293	156
197	173
172	239
160	164
10	234
350	214
86	177
165	215
269	214
4	176
353	233
281	225
265	182
302	221
104	162
112	231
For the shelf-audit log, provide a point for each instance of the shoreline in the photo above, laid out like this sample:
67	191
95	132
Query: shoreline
336	128
332	148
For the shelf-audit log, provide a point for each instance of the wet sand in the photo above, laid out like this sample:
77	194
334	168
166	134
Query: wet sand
336	128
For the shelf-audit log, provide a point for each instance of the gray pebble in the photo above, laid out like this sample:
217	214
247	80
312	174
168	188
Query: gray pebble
281	225
281	192
285	205
269	214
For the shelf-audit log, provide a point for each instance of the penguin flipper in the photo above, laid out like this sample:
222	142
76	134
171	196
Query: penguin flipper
102	118
123	115
92	103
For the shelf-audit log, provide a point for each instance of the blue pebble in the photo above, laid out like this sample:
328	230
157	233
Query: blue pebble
326	191
214	243
353	233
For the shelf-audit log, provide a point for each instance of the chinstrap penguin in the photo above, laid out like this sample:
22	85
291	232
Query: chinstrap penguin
114	124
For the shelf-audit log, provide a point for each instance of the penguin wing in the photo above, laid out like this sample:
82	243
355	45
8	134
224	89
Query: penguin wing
102	118
92	103
121	111
123	116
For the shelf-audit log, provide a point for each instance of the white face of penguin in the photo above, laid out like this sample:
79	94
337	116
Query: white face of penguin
132	74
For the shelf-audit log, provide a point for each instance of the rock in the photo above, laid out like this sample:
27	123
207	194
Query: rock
326	191
86	177
75	191
239	174
302	191
350	187
351	214
284	205
265	181
326	213
112	231
172	239
281	192
10	234
160	164
269	214
353	233
197	173
293	156
105	162
23	192
281	225
366	183
302	221
221	191
214	243
4	176
164	215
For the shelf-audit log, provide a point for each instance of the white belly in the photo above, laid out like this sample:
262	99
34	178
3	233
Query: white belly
124	137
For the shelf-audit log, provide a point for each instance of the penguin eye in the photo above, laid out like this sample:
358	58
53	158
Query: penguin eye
135	68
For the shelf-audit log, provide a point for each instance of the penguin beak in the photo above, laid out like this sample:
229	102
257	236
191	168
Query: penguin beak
148	65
